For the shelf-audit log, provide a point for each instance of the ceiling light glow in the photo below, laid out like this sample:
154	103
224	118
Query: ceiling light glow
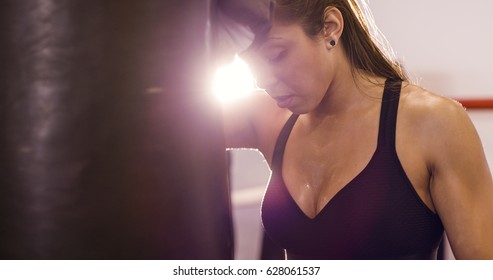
233	81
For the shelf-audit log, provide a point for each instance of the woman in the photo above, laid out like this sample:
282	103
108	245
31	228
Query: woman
365	165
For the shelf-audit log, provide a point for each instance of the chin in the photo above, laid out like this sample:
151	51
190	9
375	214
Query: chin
299	111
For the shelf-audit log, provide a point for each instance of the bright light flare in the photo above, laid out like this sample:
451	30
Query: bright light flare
233	81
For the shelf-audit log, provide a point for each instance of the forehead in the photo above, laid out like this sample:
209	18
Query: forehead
279	32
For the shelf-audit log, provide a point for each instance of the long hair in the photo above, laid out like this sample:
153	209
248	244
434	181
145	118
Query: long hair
365	46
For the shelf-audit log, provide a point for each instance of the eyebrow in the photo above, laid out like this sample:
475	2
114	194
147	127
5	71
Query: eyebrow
262	40
273	38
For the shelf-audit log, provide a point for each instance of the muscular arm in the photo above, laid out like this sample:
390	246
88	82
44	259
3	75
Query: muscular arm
253	122
461	184
239	129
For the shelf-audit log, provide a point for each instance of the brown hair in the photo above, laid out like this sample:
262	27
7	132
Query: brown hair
359	45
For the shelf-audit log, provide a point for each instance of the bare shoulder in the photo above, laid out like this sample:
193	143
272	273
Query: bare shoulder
430	108
433	117
441	129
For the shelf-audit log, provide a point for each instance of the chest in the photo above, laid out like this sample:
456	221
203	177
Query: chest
319	164
352	199
375	216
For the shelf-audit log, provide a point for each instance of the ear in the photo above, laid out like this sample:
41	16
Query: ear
333	24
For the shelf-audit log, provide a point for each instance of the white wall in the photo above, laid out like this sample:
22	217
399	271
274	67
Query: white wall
249	176
483	121
447	44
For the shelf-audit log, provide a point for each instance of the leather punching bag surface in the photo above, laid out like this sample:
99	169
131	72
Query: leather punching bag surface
109	145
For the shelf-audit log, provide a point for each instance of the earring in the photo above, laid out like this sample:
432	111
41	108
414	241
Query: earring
331	44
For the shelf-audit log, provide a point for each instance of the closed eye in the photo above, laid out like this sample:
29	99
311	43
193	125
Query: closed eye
276	56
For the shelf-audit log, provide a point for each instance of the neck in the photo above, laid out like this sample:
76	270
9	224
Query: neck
347	93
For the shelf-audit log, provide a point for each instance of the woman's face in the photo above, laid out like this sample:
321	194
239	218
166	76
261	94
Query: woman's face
293	68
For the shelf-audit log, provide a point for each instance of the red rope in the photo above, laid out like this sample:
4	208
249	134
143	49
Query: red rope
477	103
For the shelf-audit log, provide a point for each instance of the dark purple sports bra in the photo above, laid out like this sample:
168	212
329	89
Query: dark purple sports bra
378	215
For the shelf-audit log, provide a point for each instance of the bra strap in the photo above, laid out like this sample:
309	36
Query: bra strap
388	113
282	139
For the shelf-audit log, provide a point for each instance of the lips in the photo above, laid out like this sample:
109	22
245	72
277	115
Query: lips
283	101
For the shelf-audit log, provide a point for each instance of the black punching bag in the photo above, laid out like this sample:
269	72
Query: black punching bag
110	146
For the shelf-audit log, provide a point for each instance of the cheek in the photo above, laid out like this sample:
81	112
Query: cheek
320	73
308	76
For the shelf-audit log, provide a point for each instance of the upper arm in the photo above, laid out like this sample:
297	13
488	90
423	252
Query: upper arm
253	122
461	183
238	122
